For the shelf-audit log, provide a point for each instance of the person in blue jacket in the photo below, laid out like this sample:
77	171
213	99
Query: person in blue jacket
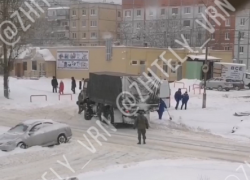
162	107
185	98
177	97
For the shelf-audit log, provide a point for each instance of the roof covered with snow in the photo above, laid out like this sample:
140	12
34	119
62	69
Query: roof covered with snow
203	57
33	53
235	64
58	8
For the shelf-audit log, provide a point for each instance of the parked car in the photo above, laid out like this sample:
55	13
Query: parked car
217	83
237	84
35	133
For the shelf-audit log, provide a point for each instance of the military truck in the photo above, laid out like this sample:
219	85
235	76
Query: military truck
118	96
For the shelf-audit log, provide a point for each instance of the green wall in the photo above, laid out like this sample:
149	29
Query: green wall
193	70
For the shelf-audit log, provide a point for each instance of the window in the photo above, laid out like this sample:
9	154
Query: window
84	35
227	36
134	62
151	13
174	10
242	21
74	24
142	62
36	127
241	49
187	10
84	23
138	25
241	61
128	13
163	11
165	67
25	66
199	36
227	23
93	23
93	44
64	23
200	9
92	12
187	36
186	23
74	12
20	128
242	35
34	65
84	12
138	12
93	35
119	25
162	24
226	48
173	64
212	36
74	35
119	14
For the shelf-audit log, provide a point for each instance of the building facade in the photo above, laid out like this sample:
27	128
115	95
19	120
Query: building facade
92	23
242	37
161	22
77	61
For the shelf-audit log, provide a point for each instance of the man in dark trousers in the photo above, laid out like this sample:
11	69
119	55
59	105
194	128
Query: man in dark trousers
162	107
185	98
177	97
54	84
73	85
141	123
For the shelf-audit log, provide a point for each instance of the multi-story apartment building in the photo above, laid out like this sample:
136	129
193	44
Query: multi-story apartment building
242	36
161	22
92	23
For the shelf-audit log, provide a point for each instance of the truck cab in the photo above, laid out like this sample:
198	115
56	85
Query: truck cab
246	79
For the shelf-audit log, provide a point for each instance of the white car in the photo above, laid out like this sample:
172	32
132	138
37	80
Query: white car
42	132
217	83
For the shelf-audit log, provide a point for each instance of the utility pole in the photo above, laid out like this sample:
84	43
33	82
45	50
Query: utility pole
239	38
204	99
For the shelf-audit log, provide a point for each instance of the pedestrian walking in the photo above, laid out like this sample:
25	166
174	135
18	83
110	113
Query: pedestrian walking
54	84
177	97
73	85
61	88
141	124
185	98
162	107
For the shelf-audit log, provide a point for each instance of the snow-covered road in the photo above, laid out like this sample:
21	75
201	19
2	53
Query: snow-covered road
120	148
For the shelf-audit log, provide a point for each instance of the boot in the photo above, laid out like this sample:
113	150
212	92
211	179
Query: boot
139	142
144	142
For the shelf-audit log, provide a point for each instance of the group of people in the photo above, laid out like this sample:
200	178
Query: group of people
54	84
181	97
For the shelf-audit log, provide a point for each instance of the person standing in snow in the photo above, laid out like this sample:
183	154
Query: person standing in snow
54	84
73	85
61	87
177	97
162	107
141	123
81	102
185	98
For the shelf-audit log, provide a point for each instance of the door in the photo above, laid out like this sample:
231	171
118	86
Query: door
36	135
50	133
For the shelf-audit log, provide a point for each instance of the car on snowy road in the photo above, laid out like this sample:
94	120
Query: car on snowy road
41	132
217	83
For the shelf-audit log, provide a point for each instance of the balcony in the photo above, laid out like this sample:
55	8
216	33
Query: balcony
61	17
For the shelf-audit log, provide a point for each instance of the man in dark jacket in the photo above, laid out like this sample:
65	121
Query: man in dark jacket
73	85
185	99
141	123
80	102
54	84
177	97
162	107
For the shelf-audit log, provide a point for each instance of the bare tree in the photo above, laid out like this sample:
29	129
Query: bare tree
17	18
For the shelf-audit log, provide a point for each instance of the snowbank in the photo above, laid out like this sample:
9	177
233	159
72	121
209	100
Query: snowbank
243	128
168	169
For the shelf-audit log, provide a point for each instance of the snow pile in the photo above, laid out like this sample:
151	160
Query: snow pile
242	128
168	169
46	54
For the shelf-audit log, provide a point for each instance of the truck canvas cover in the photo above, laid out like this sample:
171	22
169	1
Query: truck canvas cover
106	87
